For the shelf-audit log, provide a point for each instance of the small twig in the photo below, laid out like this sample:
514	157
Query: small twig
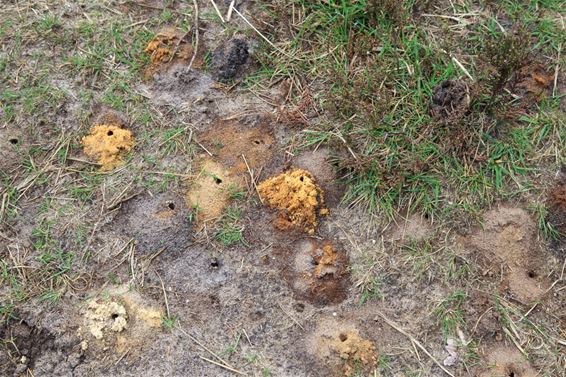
196	37
202	146
261	35
203	346
223	366
164	295
462	68
121	357
253	179
217	11
230	9
290	316
415	341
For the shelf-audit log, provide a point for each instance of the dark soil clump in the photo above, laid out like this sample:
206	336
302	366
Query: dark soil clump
229	60
450	100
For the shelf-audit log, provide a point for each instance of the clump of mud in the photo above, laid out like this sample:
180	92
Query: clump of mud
167	48
316	271
229	59
450	100
108	144
297	196
503	361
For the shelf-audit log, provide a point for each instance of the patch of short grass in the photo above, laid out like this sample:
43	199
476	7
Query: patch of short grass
378	63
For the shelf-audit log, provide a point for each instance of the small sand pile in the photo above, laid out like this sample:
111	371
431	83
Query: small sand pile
298	197
356	352
325	261
162	47
105	316
209	193
108	144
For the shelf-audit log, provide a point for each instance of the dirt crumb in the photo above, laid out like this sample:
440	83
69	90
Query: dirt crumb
229	59
298	197
108	144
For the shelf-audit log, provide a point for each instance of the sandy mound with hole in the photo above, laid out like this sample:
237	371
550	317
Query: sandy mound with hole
228	142
108	144
509	240
340	346
506	361
209	192
118	320
297	196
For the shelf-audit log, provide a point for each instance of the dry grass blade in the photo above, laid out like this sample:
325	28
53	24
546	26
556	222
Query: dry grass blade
414	341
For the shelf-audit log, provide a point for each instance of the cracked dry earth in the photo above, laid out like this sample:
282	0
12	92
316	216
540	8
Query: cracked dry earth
292	300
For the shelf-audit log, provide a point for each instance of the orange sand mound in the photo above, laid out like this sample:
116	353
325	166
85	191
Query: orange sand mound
355	351
298	197
108	144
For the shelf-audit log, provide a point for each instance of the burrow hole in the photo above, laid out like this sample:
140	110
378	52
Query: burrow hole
110	133
214	263
532	274
171	206
257	142
302	179
343	337
13	141
114	316
217	180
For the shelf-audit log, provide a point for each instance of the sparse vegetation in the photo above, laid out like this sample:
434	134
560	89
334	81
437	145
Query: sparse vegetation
439	110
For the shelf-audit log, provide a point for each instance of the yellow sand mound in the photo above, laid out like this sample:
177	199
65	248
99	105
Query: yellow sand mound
108	144
298	197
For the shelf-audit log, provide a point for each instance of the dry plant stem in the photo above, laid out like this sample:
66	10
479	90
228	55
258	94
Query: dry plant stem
224	366
217	11
414	341
204	347
230	9
252	178
164	295
196	36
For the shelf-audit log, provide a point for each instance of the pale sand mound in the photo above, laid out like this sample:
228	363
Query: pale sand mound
108	144
209	193
298	197
505	361
119	318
